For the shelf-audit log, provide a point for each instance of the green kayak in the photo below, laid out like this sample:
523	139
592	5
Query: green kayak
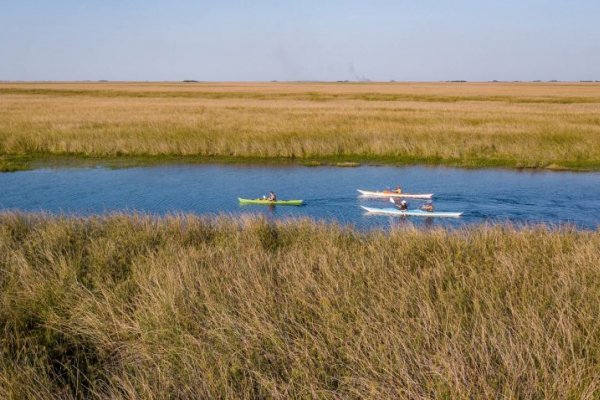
268	202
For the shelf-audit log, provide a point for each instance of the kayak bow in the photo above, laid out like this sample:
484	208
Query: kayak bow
368	193
411	213
269	202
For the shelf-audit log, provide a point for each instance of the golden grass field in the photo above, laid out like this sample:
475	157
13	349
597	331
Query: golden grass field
547	125
130	306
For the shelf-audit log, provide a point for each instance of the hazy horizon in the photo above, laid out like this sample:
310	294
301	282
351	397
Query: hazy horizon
285	81
243	41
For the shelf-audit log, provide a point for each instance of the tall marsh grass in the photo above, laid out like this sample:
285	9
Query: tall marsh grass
186	307
518	125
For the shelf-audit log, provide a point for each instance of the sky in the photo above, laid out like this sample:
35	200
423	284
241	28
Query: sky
263	40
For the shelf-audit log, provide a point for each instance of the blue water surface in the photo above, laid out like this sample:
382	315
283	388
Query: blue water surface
330	192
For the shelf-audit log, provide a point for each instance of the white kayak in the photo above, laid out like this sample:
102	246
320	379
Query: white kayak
368	193
411	213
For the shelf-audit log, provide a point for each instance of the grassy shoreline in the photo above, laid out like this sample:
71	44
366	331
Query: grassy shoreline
547	126
190	307
13	163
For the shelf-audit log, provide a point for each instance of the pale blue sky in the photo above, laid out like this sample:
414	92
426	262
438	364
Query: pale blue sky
299	40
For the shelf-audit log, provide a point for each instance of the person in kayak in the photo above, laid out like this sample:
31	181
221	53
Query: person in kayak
398	190
271	196
403	205
428	206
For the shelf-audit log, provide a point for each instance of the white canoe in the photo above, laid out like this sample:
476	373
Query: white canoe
411	213
367	193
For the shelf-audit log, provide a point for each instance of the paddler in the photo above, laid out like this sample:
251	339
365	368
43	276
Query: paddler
403	206
428	206
272	196
398	190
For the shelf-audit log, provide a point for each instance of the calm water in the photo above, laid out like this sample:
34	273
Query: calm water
330	193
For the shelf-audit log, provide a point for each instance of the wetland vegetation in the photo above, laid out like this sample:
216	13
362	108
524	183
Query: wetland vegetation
131	306
529	125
